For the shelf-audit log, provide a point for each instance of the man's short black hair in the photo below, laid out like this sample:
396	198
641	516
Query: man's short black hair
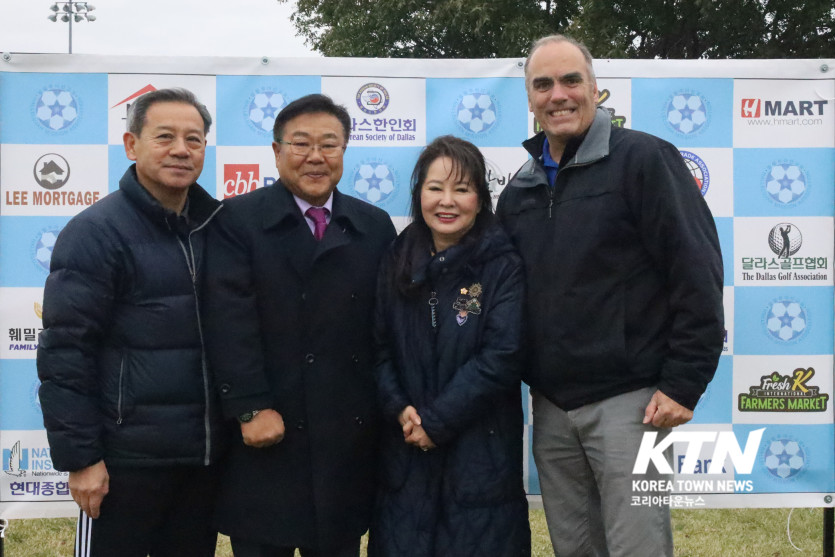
311	104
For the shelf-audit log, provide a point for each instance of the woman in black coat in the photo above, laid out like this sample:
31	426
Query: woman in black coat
449	337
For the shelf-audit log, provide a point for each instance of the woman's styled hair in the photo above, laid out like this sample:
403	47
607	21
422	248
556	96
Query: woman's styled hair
467	166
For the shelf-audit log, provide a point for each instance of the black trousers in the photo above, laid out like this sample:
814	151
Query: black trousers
161	512
243	548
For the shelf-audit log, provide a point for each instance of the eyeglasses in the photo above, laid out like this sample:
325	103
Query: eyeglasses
303	148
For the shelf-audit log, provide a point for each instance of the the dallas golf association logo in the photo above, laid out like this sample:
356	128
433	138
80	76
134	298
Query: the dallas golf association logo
698	169
476	112
687	112
785	240
785	182
262	107
784	393
56	109
372	98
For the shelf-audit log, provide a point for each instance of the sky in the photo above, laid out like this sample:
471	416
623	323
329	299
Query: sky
157	28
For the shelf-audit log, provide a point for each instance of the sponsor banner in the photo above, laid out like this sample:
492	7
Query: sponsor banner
19	387
725	230
793	458
700	481
715	404
783	389
615	95
783	113
385	112
783	320
52	180
241	170
685	112
772	251
712	171
20	322
728	302
485	112
124	89
380	177
118	163
502	163
248	105
53	109
784	182
26	248
27	473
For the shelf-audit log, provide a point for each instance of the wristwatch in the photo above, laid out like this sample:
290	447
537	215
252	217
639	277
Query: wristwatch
246	417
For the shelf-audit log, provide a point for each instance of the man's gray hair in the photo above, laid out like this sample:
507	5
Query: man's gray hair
139	109
561	39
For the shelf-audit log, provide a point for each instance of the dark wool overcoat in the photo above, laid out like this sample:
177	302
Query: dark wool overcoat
289	327
465	497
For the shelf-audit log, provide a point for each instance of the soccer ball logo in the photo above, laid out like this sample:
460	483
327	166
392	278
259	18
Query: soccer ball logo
698	169
56	109
374	182
786	320
785	240
784	458
686	113
43	247
785	183
263	108
476	112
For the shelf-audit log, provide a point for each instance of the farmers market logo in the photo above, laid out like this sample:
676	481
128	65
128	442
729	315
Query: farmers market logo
784	393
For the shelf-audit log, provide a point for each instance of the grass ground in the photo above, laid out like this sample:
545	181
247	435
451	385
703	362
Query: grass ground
697	533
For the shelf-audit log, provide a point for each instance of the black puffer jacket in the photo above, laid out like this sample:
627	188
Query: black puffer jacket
121	352
465	497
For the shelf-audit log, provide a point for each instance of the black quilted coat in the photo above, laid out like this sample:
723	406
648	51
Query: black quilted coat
466	497
121	355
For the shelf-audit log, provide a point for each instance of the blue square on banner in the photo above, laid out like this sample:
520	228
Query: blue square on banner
725	230
778	182
26	249
685	112
533	474
118	163
19	404
527	417
716	404
791	458
53	108
247	105
381	176
783	320
489	112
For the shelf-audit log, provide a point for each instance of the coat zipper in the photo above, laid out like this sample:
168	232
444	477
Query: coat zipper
119	399
192	269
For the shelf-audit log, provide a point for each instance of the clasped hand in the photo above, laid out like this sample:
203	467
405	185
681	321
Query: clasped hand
413	432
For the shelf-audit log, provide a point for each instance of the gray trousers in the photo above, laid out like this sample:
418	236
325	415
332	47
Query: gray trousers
585	458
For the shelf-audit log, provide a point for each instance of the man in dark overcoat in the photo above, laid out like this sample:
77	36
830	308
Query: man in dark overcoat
288	316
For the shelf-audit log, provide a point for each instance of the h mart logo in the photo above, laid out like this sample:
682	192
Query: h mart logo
239	179
751	108
726	447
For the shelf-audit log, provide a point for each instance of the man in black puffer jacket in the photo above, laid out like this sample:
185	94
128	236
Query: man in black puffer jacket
127	403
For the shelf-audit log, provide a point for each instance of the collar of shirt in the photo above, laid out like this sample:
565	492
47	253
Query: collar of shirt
551	166
304	206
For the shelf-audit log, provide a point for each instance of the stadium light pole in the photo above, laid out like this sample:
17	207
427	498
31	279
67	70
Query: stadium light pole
72	10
